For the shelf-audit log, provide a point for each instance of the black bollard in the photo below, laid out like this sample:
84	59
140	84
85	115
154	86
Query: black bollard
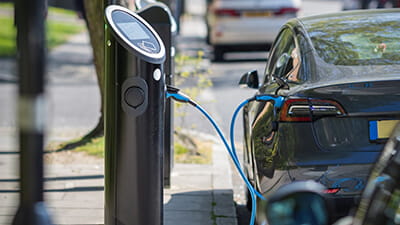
160	18
134	117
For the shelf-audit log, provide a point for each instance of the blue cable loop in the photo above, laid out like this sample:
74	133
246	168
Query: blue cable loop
278	104
249	186
231	149
232	138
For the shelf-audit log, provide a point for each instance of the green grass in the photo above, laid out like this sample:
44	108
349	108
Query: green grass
95	147
10	6
7	37
6	6
180	149
203	156
62	11
57	31
181	154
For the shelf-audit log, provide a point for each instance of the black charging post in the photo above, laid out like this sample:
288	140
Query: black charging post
134	115
159	16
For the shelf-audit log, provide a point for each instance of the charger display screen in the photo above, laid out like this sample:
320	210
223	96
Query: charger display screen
133	31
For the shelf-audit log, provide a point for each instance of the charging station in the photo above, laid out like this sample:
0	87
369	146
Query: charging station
159	16
134	115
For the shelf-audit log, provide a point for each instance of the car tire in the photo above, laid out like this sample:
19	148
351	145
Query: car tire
208	37
248	199
218	54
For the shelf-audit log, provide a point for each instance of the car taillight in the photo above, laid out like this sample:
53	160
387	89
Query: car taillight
227	12
305	110
331	190
284	11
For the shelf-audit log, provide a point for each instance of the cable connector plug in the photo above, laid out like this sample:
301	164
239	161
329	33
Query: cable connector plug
277	99
175	94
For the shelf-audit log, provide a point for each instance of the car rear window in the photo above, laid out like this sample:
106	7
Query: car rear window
366	39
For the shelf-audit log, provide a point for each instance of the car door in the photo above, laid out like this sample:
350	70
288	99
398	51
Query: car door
263	115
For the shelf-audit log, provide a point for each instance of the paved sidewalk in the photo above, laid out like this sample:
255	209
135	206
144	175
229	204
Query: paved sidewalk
199	194
74	188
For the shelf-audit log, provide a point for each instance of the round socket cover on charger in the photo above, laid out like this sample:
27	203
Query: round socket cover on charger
134	96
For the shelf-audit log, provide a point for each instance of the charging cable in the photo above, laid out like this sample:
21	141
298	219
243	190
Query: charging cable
278	101
175	94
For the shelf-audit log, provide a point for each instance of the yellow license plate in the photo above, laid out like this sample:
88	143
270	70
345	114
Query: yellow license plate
381	129
257	14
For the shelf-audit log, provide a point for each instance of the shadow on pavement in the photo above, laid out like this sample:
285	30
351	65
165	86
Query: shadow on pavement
243	57
9	153
227	61
243	215
65	178
60	178
200	207
75	189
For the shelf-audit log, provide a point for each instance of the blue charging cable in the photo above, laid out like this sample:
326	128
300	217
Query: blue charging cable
177	96
278	100
278	104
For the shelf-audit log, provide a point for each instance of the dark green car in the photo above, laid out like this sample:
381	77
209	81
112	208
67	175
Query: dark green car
340	77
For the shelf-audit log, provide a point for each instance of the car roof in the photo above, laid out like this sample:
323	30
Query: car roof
327	70
256	4
359	13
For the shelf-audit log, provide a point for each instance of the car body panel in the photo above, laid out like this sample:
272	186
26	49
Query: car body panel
380	200
379	203
335	149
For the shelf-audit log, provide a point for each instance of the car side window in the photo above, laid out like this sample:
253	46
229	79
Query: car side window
284	59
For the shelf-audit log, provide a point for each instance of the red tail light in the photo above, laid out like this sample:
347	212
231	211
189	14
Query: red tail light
305	110
227	12
284	11
331	190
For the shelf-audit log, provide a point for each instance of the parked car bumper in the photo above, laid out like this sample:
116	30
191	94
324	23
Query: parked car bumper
248	31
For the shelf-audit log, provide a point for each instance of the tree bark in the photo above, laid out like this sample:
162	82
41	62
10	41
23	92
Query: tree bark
94	11
94	18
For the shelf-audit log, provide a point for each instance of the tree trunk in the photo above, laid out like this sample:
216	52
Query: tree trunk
94	16
94	11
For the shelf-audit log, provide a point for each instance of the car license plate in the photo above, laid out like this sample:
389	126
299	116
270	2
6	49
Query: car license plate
257	14
381	129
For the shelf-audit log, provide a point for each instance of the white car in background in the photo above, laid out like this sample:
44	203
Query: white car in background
351	4
370	4
246	24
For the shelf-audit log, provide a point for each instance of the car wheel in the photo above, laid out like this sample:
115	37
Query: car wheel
218	54
208	36
248	200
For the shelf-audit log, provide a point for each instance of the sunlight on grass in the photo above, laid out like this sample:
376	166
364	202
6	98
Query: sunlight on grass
203	154
62	11
95	147
57	31
7	37
6	6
